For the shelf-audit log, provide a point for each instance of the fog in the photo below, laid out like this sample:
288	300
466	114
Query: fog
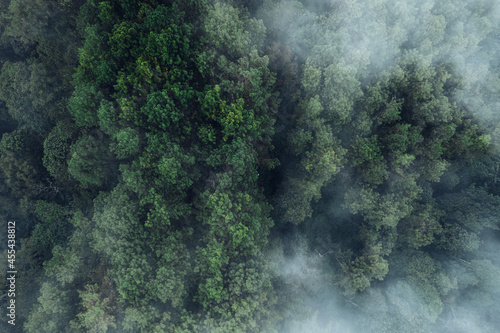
369	38
364	240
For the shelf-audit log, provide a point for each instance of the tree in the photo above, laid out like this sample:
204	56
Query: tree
127	143
52	229
54	311
361	270
83	105
320	158
20	161
64	264
56	148
225	29
15	91
368	160
422	226
89	161
378	210
95	316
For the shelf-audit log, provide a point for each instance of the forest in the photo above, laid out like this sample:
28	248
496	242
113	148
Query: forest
287	166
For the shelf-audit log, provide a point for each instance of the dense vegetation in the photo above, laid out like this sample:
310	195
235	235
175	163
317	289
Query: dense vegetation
251	166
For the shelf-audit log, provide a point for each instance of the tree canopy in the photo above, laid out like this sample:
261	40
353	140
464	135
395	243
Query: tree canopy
251	166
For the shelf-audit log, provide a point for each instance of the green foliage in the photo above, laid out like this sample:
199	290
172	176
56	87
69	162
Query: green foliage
248	296
167	163
321	157
230	117
53	312
19	161
242	217
365	268
160	109
52	229
167	116
457	239
144	319
115	218
421	227
473	208
83	105
368	159
392	112
88	160
378	210
169	284
16	90
14	141
49	212
225	30
403	138
63	265
95	316
107	117
56	148
127	143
